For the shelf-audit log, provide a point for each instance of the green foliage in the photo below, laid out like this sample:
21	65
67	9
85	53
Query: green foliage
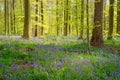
49	61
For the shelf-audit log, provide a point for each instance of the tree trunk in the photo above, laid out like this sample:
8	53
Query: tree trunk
37	19
118	17
5	16
27	20
111	19
14	19
97	36
105	2
57	17
65	17
76	16
42	18
82	19
88	35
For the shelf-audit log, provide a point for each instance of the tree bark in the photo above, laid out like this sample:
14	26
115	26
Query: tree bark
111	19
27	20
97	36
65	17
37	19
82	20
118	17
42	18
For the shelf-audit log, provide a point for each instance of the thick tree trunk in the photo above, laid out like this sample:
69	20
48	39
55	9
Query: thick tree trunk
97	36
27	20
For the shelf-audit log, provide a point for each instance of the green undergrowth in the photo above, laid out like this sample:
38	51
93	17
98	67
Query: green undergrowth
113	42
26	60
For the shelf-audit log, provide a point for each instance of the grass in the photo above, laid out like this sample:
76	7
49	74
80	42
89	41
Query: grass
113	42
28	60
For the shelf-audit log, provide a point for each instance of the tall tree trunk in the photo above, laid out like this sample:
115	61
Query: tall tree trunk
37	19
76	20
57	17
65	17
118	16
105	2
14	19
5	16
27	20
97	36
88	34
11	15
82	19
9	18
69	24
42	18
111	19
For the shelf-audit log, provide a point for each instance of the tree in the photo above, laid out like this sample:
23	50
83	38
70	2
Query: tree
5	16
42	18
76	17
118	16
105	18
111	19
27	20
97	36
66	17
14	19
82	19
88	37
37	19
57	17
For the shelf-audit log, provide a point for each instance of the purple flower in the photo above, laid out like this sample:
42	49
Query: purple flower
108	78
114	73
77	69
95	72
34	65
118	64
63	60
15	78
14	66
60	66
2	65
27	78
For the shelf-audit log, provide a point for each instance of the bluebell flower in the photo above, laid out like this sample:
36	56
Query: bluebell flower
27	78
60	66
119	77
2	65
63	60
15	78
34	65
114	74
108	78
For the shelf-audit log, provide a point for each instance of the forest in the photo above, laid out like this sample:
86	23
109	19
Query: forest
60	40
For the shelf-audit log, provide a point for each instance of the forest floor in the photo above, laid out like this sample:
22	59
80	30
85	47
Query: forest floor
58	58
